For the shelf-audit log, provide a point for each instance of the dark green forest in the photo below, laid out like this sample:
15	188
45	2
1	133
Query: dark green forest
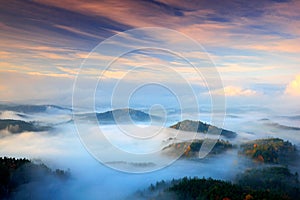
268	177
16	172
270	183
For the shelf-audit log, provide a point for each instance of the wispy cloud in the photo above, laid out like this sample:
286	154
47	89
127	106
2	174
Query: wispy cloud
233	91
5	54
77	31
8	66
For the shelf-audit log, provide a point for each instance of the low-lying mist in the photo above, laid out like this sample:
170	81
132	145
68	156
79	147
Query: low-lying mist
90	179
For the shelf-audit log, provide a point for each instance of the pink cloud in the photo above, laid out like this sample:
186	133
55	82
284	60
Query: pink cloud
131	13
77	31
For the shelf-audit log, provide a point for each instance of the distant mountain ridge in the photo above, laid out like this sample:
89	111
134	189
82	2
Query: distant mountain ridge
121	115
30	108
124	115
200	127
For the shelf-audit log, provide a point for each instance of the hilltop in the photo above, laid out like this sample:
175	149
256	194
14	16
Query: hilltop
123	115
198	126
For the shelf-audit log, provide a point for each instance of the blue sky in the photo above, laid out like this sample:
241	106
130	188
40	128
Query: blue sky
254	44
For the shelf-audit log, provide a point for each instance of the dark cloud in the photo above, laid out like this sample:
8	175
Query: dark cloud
38	20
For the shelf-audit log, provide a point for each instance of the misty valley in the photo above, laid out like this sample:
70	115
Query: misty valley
255	155
151	99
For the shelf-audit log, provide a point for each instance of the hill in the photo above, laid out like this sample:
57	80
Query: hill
198	126
191	149
270	150
120	116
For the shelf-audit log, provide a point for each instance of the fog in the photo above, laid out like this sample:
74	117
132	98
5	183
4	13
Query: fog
62	148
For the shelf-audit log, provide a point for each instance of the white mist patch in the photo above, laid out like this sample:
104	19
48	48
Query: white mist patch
10	115
141	144
111	145
51	119
37	144
48	118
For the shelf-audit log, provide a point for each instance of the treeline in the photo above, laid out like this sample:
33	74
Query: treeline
265	183
17	172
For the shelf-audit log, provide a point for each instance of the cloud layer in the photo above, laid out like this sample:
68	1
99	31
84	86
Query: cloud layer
252	43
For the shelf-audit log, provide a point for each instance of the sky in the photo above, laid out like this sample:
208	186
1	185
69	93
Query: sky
253	45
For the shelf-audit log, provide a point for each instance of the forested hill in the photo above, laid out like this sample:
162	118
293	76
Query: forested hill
123	115
269	150
190	149
198	126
